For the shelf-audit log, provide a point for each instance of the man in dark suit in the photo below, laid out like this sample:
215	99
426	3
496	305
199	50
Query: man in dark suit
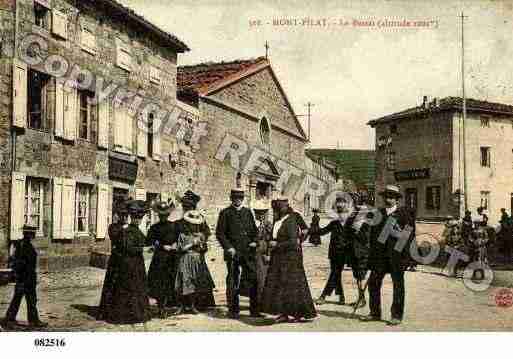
236	232
392	230
25	264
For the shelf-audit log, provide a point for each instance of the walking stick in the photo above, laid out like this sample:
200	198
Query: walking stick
357	304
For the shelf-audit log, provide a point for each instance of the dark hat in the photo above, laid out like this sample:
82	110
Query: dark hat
163	208
28	229
237	192
190	197
121	208
315	210
194	217
136	208
391	191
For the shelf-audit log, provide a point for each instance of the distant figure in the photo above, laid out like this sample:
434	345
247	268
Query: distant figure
506	235
314	236
25	264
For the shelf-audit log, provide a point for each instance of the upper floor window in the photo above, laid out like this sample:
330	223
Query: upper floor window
42	15
123	55
433	197
150	135
265	131
485	121
37	99
390	159
86	114
485	156
88	39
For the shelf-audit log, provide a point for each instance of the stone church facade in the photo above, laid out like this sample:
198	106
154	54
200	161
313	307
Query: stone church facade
243	100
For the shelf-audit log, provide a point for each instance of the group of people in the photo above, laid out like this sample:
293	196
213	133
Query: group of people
263	256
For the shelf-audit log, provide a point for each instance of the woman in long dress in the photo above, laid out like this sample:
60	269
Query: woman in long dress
286	293
130	302
192	275
162	271
112	273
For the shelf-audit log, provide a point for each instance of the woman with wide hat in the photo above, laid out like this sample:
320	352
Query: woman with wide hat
130	302
162	272
286	292
192	275
204	298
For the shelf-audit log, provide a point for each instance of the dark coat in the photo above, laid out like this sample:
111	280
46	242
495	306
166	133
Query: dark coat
129	301
236	229
162	271
286	290
339	244
25	264
383	257
314	236
111	275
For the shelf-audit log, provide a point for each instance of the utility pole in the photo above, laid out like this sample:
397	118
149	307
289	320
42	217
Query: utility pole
464	110
308	115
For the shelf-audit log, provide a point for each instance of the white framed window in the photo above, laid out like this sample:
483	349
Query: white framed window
34	198
42	14
486	156
485	121
82	207
485	200
86	114
390	159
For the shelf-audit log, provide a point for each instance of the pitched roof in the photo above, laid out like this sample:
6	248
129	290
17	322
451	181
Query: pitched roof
448	103
171	39
197	77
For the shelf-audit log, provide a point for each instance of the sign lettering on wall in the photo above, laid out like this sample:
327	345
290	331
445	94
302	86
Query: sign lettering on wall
122	170
412	174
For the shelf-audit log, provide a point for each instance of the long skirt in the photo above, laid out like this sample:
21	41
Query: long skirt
162	276
111	276
286	289
193	275
129	301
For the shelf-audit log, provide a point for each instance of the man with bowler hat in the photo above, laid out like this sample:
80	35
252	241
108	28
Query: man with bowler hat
25	264
392	230
236	232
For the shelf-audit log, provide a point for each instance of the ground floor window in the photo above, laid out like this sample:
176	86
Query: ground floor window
433	197
411	198
485	200
34	197
83	207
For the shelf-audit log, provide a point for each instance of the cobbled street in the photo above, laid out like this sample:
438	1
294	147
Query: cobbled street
68	301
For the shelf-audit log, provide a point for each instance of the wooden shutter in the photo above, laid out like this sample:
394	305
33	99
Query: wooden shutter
20	80
68	208
59	24
128	125
142	139
123	55
57	207
70	113
102	210
140	194
17	205
156	138
155	74
88	39
119	132
59	109
103	124
164	196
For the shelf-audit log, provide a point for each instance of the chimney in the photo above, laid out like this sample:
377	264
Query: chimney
424	101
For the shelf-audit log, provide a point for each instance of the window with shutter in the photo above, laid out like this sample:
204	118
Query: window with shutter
128	135
102	215
37	99
123	55
57	208
59	24
42	14
20	94
142	138
68	208
17	205
156	138
70	113
59	109
82	207
34	203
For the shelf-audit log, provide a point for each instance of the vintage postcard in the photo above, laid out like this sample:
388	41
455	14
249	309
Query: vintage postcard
244	166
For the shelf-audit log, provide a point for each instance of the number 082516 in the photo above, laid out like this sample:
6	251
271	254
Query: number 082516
49	342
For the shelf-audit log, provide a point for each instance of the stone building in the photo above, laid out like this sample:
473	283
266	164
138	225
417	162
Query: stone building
425	149
67	155
243	102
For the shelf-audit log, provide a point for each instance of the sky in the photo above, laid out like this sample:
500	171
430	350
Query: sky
351	67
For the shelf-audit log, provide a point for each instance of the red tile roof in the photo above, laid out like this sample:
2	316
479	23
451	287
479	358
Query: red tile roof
194	77
448	103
